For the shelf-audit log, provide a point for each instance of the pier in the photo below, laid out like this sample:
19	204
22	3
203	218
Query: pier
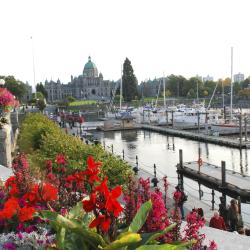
198	136
217	178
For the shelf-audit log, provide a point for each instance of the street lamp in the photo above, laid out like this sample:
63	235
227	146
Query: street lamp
2	82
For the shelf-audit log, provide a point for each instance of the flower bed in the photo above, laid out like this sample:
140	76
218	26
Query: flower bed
80	210
42	139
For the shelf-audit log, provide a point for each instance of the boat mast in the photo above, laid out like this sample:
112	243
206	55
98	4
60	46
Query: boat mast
164	91
121	91
231	99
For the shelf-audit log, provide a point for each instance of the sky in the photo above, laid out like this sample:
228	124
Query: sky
185	37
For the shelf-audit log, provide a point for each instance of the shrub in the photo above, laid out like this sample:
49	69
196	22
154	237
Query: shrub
42	139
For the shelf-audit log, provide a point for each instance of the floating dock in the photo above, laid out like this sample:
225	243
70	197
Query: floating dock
210	176
198	136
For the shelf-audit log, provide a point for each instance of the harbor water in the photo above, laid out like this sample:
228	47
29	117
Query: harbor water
163	151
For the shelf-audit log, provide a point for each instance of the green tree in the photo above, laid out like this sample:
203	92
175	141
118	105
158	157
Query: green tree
41	104
70	98
40	88
38	95
16	87
129	82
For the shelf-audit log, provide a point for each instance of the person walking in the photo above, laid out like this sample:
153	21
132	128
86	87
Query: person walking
180	198
217	221
235	218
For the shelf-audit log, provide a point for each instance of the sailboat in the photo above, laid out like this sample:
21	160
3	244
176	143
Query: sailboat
232	125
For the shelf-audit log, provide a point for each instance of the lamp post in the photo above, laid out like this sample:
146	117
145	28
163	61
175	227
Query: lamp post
2	82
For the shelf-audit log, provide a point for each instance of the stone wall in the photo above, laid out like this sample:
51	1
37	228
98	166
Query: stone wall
5	144
8	139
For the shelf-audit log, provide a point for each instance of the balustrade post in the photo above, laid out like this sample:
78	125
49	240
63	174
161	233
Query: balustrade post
213	202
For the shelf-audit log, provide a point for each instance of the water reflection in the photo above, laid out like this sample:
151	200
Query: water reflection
129	135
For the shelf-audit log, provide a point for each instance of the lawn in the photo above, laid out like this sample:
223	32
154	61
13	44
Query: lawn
82	103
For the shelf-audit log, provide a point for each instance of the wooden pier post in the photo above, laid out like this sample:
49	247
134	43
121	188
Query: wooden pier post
172	118
245	127
240	124
225	115
198	117
112	148
199	160
136	169
239	203
199	184
223	179
167	118
104	146
213	199
123	154
180	175
155	180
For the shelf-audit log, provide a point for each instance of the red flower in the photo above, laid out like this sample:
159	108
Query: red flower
92	170
26	213
49	165
11	207
177	196
89	205
33	195
60	159
102	221
49	192
112	205
14	190
10	181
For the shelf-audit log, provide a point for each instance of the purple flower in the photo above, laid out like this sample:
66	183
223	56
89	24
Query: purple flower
9	246
20	236
40	242
30	229
20	227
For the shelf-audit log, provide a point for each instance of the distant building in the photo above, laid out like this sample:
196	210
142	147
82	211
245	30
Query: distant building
208	78
89	85
150	88
199	77
239	77
28	95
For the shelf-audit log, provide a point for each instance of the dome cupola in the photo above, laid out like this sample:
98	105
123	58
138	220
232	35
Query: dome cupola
90	70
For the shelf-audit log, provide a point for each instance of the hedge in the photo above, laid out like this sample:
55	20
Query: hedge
42	140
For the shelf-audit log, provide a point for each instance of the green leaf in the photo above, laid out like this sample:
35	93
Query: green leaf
126	240
76	211
149	238
89	236
140	217
179	246
60	237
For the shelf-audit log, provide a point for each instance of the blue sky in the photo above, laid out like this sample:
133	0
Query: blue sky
186	37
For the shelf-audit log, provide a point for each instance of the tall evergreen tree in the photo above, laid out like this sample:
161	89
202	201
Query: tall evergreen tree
129	82
40	88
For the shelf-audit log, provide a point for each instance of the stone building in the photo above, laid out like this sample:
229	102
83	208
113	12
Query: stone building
90	85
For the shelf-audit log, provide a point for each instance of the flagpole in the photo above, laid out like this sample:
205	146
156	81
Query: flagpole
33	59
231	99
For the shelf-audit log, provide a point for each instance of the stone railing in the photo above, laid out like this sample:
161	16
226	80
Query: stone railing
8	138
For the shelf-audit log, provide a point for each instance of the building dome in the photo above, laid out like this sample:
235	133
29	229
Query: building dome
90	70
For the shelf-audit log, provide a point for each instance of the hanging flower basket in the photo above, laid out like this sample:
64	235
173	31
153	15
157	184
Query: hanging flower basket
7	101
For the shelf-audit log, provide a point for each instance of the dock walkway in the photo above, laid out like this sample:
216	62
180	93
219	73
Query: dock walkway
211	176
198	136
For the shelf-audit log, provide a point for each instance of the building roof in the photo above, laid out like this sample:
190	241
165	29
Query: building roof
89	64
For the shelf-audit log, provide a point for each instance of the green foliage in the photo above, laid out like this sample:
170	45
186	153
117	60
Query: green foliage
83	103
140	217
42	139
129	82
38	95
72	232
41	105
40	88
71	99
16	87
